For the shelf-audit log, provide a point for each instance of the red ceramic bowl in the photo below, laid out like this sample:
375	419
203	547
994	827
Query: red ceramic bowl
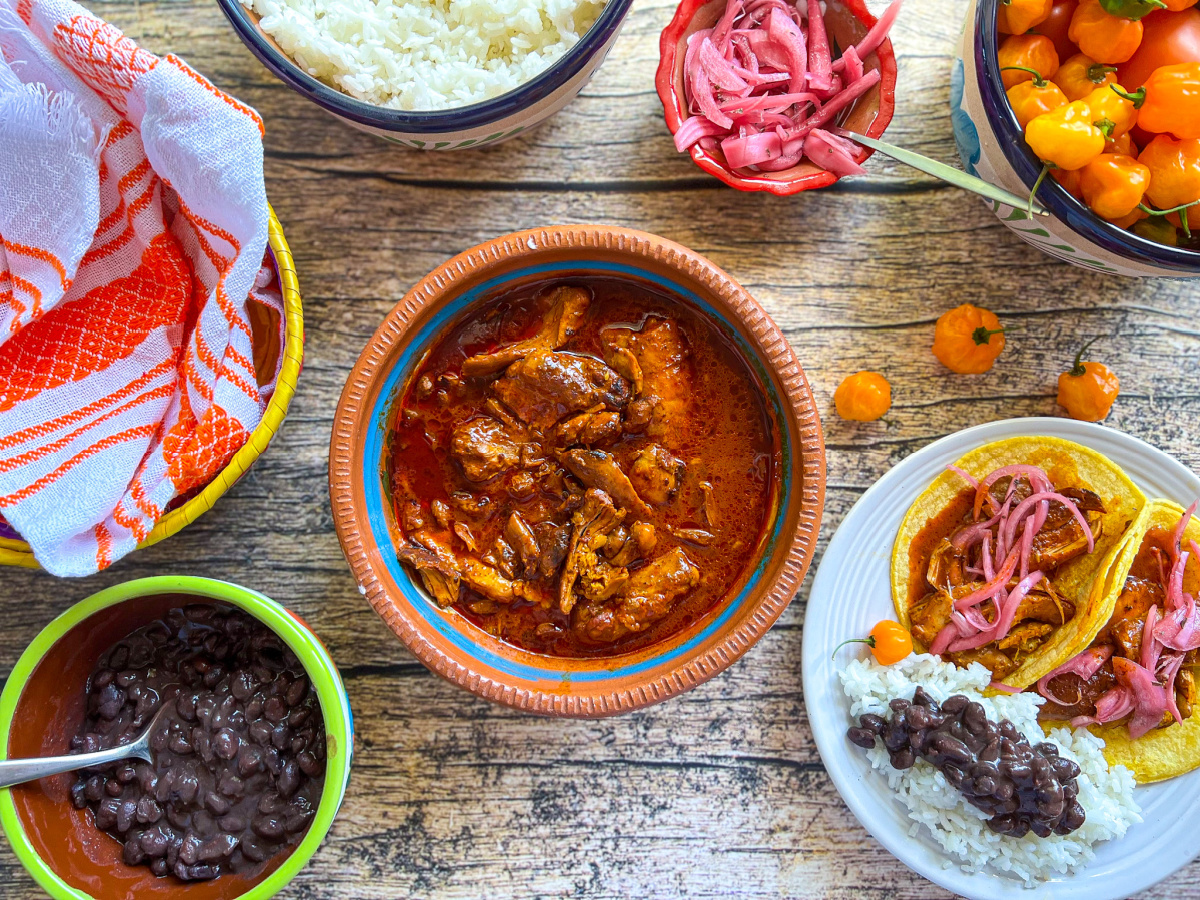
848	22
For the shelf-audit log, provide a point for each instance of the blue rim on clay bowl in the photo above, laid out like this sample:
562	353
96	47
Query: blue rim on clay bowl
487	122
460	650
992	145
43	704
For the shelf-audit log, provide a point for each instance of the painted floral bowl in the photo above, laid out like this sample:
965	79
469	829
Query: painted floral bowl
488	122
44	701
992	146
848	22
448	642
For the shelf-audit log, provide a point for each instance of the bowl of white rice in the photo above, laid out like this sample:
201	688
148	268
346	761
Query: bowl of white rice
432	74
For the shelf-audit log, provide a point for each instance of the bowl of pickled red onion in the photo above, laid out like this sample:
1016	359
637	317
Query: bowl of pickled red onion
759	91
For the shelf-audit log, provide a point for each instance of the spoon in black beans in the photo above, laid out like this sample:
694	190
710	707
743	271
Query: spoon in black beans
19	771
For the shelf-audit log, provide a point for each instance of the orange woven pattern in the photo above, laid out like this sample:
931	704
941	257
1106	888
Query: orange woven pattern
126	349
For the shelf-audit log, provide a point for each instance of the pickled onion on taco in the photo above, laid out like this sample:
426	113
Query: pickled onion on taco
1135	683
997	561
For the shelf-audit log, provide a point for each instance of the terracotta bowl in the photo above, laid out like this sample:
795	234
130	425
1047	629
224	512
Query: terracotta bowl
446	641
847	22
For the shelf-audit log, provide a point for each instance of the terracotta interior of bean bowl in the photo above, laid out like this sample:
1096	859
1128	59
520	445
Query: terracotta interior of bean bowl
446	640
47	715
869	115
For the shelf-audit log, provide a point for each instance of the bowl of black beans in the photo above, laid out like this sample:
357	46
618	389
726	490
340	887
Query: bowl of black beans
251	739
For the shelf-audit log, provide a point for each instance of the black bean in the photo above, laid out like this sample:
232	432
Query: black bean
225	745
232	823
113	788
872	722
253	850
297	692
180	745
217	847
216	804
231	785
858	736
901	759
951	749
274	710
1065	769
281	737
133	854
289	779
78	797
249	761
268	826
310	767
155	842
148	811
899	704
106	813
955	705
975	718
93	788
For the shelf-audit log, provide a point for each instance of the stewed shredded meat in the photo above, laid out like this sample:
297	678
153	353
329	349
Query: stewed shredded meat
556	463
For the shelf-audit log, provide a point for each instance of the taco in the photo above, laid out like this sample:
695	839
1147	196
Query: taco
995	562
1135	683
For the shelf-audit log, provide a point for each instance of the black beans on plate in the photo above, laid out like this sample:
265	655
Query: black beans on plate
239	753
1022	787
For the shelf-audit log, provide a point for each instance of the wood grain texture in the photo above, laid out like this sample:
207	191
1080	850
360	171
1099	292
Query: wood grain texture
718	793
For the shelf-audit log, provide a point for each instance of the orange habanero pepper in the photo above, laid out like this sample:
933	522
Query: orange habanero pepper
1023	57
1080	75
1113	112
1180	5
1174	174
1018	16
967	339
1169	101
1087	390
863	397
1066	137
1070	180
1031	99
1114	185
1123	145
1105	38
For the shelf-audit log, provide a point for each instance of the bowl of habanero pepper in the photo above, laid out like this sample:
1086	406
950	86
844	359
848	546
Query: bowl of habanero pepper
1094	107
757	93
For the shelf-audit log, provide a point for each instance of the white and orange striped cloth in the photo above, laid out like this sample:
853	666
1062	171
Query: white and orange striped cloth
133	225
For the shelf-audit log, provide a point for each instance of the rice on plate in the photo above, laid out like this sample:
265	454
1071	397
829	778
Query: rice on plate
958	827
421	55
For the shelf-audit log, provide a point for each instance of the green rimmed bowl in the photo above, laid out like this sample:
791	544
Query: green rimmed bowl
43	703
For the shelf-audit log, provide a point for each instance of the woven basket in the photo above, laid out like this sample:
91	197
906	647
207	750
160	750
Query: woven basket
17	553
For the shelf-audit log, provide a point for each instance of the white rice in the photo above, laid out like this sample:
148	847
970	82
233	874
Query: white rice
959	828
425	54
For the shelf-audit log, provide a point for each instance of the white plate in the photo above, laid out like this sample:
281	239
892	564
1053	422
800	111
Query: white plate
852	591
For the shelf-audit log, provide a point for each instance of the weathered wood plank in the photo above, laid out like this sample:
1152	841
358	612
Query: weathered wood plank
720	792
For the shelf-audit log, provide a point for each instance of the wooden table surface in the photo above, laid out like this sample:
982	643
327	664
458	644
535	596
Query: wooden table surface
720	792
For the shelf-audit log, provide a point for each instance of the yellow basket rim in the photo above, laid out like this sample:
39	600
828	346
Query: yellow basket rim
17	553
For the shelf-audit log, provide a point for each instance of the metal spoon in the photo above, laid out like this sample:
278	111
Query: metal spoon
18	771
946	173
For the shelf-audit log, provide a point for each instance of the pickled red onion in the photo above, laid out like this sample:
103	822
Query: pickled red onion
763	84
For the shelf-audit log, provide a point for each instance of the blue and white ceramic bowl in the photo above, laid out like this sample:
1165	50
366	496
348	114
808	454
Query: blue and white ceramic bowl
449	643
992	146
488	122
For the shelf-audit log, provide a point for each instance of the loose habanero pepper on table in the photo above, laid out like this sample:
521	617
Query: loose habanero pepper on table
1080	75
1023	57
1105	38
863	397
1174	174
1169	101
967	339
1031	99
1018	16
1114	185
1087	390
1066	137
